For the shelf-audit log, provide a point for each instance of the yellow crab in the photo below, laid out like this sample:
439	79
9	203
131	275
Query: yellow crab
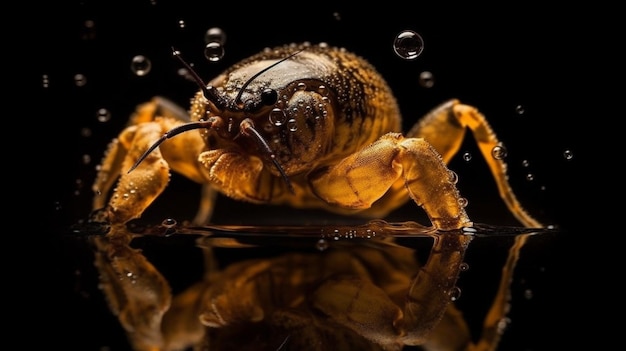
310	126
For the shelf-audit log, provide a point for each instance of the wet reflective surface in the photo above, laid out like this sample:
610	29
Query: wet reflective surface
92	85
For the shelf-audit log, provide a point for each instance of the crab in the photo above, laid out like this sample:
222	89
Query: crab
308	126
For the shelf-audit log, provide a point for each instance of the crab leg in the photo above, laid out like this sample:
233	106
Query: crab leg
445	127
136	292
363	178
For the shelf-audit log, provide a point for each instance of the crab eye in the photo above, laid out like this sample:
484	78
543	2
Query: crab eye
269	97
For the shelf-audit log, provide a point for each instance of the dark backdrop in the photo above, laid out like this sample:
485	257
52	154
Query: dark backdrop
515	64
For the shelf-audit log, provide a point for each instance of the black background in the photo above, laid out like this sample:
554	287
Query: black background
496	59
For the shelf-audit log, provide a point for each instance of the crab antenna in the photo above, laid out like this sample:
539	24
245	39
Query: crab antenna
207	90
169	134
248	127
245	85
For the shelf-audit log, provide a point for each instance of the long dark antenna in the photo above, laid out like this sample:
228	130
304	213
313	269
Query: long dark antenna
249	127
207	90
169	134
245	85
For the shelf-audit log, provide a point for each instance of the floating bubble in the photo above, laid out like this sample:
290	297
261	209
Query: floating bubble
426	79
277	117
80	80
140	65
568	154
214	51
499	152
455	293
519	109
215	34
408	45
467	156
103	115
322	244
169	223
292	125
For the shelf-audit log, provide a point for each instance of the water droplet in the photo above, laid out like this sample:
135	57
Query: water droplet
426	79
463	202
568	154
80	80
292	125
277	117
502	325
322	244
408	45
464	267
215	34
455	293
168	223
525	163
337	16
181	24
467	157
519	109
103	115
86	159
530	177
85	132
499	152
528	294
453	176
214	51
140	65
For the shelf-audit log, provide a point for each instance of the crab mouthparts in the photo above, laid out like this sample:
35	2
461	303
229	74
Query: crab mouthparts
246	128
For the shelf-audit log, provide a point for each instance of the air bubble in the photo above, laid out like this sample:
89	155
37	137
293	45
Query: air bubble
499	152
519	109
103	115
453	176
85	132
464	267
181	24
463	202
169	223
214	51
277	117
528	294
322	244
455	293
525	163
140	65
426	79
568	154
292	125
80	80
215	34
467	157
408	45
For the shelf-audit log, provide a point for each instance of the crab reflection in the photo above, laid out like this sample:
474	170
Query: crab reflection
341	288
